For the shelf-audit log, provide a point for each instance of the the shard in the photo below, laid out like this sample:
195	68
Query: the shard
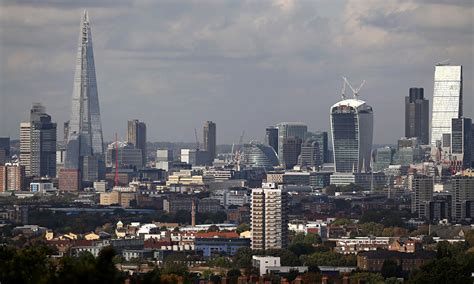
85	149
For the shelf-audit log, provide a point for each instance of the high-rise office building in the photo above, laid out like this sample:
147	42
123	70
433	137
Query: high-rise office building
128	156
422	193
12	177
447	100
85	141
462	188
472	145
65	132
164	159
269	218
38	143
291	151
271	137
289	129
310	155
352	124
321	137
383	158
136	135
4	149
210	139
461	143
417	116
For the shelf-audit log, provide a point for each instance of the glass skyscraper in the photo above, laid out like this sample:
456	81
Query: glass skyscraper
461	141
271	137
352	124
417	116
85	142
209	139
447	100
289	129
136	135
258	155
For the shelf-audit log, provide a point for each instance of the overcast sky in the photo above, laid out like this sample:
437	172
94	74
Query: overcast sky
243	64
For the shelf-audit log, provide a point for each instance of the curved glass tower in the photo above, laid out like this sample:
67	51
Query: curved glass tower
447	100
85	140
352	125
259	155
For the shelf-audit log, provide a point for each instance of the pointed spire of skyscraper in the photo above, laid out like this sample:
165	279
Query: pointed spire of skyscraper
85	142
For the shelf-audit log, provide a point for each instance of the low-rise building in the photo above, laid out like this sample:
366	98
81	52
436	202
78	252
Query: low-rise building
373	260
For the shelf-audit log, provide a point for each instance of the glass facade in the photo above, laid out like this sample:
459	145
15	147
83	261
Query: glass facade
417	116
383	158
461	140
352	130
289	129
447	100
85	127
271	137
259	156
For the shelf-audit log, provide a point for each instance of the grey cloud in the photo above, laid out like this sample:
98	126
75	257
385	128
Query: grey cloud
243	64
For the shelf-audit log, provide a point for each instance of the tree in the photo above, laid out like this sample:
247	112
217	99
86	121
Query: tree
390	268
341	222
469	237
328	258
367	277
243	228
301	248
243	258
25	265
287	258
292	275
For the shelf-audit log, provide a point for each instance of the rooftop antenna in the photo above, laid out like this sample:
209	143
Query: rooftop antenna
355	92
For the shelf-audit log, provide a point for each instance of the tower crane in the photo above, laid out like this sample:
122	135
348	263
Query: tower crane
343	91
355	92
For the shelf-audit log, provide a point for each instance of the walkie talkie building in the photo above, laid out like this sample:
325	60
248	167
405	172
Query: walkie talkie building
352	124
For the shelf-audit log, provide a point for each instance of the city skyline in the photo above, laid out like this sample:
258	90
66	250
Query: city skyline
222	74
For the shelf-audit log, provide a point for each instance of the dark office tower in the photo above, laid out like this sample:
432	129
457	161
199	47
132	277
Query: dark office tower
472	145
289	129
271	137
310	155
85	142
4	149
322	138
65	131
352	125
461	143
210	139
417	116
136	135
291	151
38	143
462	197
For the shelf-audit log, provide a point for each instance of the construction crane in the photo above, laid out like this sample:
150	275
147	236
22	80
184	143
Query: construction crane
355	92
238	153
197	139
343	91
